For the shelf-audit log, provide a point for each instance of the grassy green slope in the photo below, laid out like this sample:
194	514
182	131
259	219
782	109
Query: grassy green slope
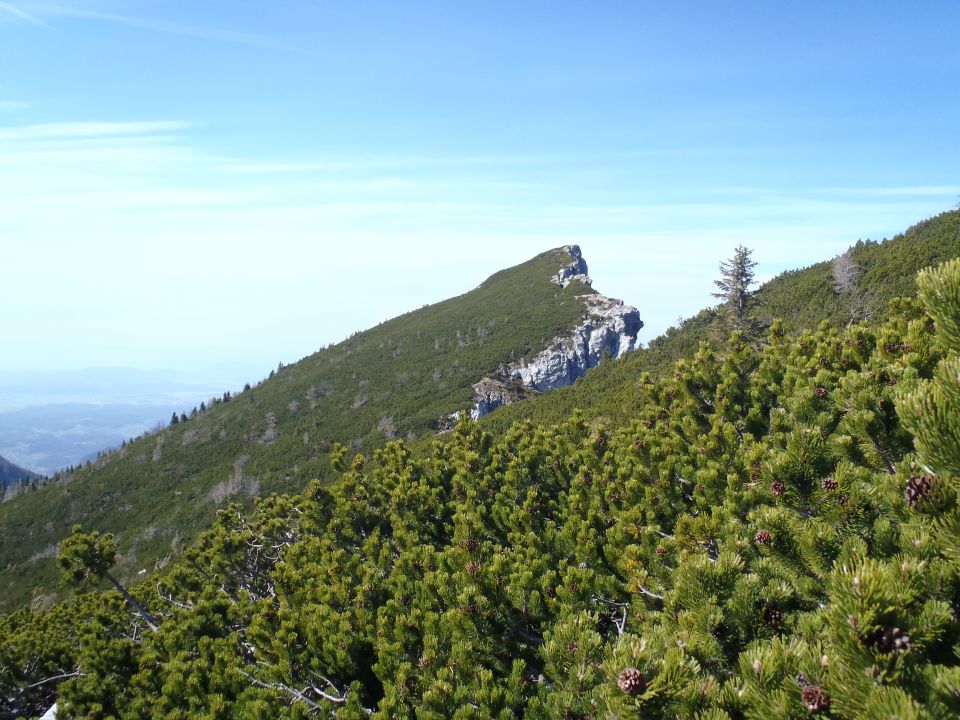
802	298
396	379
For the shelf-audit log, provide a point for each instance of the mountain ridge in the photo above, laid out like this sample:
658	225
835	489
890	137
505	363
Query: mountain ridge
250	444
770	532
801	298
399	379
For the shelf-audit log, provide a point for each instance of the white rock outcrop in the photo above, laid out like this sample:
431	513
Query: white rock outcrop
576	270
608	328
489	394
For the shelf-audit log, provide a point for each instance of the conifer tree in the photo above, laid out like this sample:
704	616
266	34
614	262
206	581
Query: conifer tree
735	289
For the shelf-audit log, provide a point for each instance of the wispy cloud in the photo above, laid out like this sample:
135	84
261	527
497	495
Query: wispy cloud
103	166
436	161
106	210
65	130
373	162
22	14
163	26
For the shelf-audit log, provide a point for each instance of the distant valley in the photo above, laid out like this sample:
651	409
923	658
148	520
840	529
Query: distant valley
47	438
52	420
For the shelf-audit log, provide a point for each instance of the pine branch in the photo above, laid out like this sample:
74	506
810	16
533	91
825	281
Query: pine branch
296	694
64	676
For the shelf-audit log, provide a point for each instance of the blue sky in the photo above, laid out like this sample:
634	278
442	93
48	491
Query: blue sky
193	184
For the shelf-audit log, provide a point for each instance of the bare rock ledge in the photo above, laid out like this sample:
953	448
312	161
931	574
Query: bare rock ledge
608	328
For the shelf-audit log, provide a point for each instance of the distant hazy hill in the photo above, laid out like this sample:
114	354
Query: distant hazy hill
399	379
113	386
10	473
52	437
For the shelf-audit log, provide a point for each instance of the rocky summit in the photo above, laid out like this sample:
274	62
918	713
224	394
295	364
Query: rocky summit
575	270
608	328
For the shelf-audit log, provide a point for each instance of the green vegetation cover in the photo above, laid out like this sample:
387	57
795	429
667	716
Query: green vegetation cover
874	273
772	531
393	381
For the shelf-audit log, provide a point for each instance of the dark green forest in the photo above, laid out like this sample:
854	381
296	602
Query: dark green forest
717	526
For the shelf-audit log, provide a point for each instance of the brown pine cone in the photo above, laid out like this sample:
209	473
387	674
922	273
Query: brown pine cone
763	537
829	484
773	616
777	488
815	698
889	640
631	681
469	544
918	488
821	392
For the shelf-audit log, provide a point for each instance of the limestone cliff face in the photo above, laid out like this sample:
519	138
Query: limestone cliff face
576	270
608	328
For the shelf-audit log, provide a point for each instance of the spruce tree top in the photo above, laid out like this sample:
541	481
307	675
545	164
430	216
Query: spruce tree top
735	286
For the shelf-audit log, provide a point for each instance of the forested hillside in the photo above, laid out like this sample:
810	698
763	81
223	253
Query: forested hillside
773	532
396	380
